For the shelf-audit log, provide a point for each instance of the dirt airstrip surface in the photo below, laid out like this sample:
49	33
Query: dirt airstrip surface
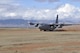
17	40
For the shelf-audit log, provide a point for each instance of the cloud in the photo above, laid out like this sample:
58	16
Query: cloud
10	11
67	12
10	14
41	0
53	0
6	1
39	14
47	1
75	0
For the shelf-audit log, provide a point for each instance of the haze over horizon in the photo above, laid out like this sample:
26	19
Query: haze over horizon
40	9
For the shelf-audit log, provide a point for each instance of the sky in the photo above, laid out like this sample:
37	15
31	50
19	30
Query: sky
48	3
40	9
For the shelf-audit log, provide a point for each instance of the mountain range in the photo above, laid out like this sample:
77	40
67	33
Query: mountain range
25	23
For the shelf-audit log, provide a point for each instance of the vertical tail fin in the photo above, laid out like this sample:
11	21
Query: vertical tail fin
56	19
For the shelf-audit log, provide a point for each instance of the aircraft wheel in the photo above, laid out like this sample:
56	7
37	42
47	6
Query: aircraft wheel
50	30
44	30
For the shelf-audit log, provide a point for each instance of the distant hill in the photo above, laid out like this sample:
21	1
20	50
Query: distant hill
25	23
13	23
21	22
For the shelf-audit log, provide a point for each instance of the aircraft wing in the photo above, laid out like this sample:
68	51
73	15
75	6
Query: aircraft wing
37	24
63	24
69	24
52	24
55	24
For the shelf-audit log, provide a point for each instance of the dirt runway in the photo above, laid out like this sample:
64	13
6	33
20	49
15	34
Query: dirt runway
35	41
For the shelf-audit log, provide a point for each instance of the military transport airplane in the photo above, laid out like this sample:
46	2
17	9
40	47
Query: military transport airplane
50	27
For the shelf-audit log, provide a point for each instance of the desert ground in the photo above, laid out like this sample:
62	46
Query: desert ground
23	40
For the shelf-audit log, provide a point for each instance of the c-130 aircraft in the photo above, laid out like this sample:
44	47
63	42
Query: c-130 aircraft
50	27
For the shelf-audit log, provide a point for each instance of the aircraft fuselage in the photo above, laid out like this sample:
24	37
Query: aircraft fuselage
46	28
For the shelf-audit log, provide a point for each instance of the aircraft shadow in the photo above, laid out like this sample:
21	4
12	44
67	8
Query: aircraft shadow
60	30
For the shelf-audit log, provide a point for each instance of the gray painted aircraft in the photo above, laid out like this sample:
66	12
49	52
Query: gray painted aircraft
49	27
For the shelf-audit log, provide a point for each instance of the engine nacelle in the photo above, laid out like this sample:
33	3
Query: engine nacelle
36	25
61	26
